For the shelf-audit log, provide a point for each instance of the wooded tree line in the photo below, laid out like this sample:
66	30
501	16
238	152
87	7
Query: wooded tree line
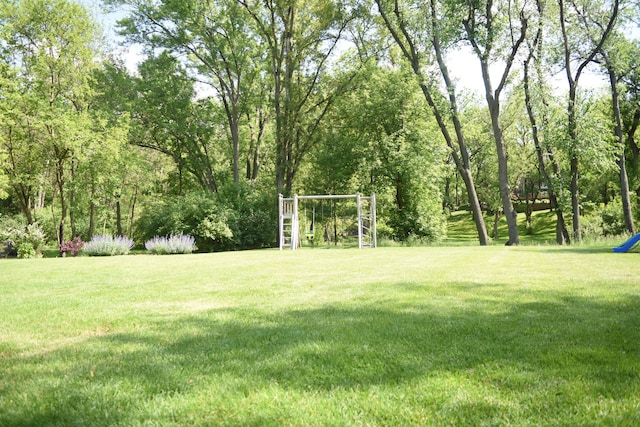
236	101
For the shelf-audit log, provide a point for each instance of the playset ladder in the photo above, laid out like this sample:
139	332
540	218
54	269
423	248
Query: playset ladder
367	236
288	222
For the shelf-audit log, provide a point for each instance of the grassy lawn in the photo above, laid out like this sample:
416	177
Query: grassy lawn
461	229
393	336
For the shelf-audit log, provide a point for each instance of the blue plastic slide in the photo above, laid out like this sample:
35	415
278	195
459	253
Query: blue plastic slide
626	246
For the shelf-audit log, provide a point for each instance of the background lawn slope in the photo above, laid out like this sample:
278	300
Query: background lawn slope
391	336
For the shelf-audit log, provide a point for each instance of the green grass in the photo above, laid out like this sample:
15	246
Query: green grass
461	229
536	335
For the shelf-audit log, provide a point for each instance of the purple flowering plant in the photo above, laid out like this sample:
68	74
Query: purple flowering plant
174	244
105	245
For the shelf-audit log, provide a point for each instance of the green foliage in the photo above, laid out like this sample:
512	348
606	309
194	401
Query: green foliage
382	139
66	114
167	119
7	226
4	179
237	218
47	128
27	239
254	216
197	214
604	219
26	250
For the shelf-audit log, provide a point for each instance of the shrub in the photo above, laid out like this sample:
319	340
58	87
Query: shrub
72	247
24	240
26	250
105	245
8	225
195	214
604	220
174	244
252	216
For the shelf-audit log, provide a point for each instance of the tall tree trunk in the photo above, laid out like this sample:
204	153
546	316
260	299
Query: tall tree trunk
254	152
282	72
92	219
23	193
288	101
447	194
72	196
118	217
233	120
133	209
460	153
503	175
621	158
528	212
483	50
573	163
92	210
562	234
571	107
63	200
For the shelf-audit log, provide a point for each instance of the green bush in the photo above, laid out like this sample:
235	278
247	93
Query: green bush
604	220
27	240
26	250
195	214
253	216
418	220
237	218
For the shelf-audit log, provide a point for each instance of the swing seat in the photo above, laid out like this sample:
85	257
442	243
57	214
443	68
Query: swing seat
310	235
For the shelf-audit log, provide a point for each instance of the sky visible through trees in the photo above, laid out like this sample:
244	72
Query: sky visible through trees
190	117
463	66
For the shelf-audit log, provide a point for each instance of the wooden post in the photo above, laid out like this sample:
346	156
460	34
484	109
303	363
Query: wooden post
281	221
359	202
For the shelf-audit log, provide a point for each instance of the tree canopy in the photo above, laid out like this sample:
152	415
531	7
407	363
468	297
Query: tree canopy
235	101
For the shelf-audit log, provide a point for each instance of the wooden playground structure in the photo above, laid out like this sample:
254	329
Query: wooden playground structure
289	219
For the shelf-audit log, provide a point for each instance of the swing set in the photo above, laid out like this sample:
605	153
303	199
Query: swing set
289	227
310	233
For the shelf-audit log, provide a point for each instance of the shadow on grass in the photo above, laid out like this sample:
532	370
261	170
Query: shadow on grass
558	342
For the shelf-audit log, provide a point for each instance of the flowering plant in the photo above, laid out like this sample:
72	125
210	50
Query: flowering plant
105	245
174	244
72	247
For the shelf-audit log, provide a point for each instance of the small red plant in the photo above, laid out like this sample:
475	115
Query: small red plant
72	246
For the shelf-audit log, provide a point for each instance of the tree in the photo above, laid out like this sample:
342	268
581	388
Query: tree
418	39
215	38
495	34
630	112
21	161
584	28
613	53
382	138
539	123
301	38
51	46
168	120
